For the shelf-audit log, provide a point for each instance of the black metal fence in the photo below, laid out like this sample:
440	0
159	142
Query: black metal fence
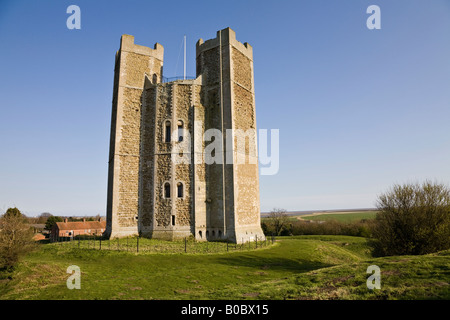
144	245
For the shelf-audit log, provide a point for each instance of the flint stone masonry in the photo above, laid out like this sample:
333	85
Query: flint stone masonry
208	201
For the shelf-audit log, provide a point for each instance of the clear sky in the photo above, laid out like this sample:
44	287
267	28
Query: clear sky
357	109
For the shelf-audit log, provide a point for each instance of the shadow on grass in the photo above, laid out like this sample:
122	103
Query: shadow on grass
272	263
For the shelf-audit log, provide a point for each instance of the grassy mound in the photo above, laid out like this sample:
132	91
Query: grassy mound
303	267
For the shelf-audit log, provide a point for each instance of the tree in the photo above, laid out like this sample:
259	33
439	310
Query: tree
13	212
413	219
278	221
16	238
51	221
43	217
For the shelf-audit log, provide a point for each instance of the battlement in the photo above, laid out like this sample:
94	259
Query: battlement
226	36
127	44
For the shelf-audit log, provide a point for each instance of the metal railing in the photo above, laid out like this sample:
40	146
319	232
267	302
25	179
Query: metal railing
165	79
139	245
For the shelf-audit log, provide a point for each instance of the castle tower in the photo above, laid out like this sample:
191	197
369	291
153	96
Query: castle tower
150	190
132	64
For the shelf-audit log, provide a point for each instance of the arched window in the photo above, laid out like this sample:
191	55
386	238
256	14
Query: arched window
167	190
155	78
200	234
180	130
180	190
167	130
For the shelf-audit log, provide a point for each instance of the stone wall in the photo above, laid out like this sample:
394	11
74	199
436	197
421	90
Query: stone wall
129	157
247	206
247	209
136	65
184	204
163	113
207	66
183	172
146	194
163	206
242	69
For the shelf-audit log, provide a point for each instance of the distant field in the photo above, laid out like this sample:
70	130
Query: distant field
300	267
341	217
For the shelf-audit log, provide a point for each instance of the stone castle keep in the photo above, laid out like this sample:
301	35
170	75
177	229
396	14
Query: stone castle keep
151	195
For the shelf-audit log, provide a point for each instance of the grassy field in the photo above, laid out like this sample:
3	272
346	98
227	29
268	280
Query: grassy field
302	267
342	217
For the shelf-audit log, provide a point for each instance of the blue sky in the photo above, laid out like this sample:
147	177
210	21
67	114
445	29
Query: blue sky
357	109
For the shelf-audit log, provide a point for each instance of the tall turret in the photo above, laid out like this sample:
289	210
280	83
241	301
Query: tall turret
226	66
132	64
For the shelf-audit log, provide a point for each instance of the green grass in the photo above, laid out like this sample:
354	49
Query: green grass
343	217
302	267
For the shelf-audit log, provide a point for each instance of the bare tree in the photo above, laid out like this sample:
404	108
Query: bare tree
278	220
42	219
16	238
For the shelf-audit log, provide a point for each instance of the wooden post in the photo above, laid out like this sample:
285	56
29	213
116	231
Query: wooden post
100	243
137	244
185	245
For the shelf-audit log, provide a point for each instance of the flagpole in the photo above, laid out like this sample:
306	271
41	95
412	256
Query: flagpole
184	73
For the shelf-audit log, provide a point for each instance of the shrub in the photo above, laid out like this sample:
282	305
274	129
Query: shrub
331	227
412	219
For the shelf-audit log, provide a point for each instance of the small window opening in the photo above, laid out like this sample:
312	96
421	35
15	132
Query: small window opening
166	190
168	129
180	190
180	130
173	220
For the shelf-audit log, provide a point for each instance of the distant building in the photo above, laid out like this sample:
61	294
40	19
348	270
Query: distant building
39	237
72	229
38	228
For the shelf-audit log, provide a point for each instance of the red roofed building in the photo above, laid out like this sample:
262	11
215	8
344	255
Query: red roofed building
72	229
